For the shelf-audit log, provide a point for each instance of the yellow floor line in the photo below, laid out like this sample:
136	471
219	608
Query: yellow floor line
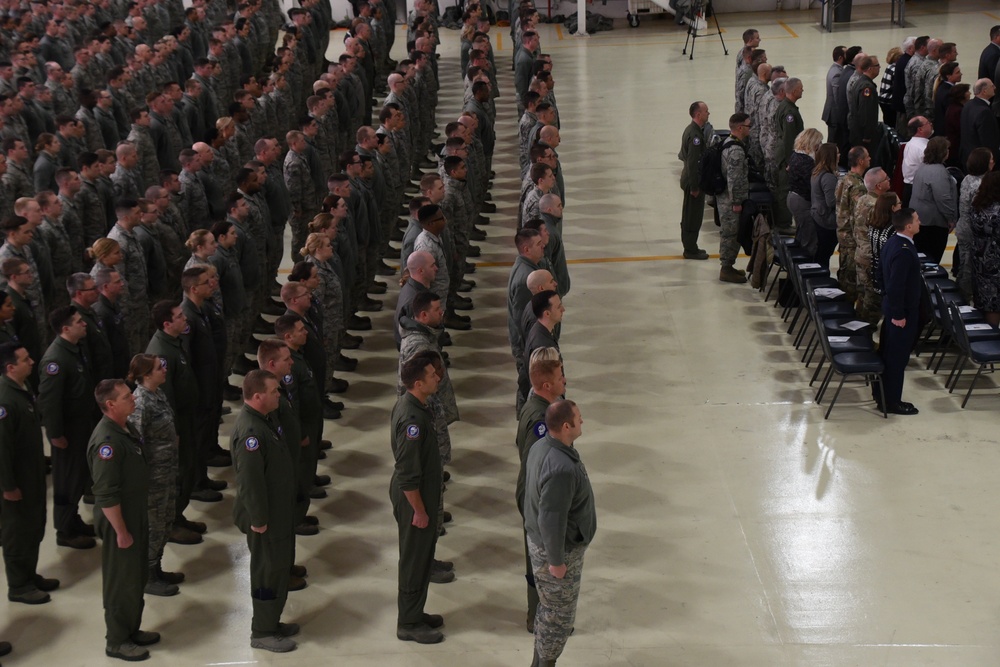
992	16
559	33
790	31
499	41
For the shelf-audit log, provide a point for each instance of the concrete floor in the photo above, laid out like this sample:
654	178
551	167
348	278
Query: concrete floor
736	526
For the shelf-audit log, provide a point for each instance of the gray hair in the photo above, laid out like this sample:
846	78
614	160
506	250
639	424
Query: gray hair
778	86
980	85
76	282
909	43
873	177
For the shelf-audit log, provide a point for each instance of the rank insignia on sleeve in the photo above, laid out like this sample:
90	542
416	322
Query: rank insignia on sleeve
252	444
412	432
106	452
52	368
540	429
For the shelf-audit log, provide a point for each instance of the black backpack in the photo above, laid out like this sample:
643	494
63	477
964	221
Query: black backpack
713	178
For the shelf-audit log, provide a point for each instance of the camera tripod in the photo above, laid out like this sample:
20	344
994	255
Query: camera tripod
698	9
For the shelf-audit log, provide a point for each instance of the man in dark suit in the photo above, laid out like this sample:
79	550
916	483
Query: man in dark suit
991	55
979	125
900	308
951	73
833	76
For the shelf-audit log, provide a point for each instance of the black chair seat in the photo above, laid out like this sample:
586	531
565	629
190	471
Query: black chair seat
984	352
834	309
853	344
858	362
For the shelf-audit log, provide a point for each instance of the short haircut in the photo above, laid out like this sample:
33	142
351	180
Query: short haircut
523	237
693	109
901	218
423	301
839	52
541	302
737	119
255	382
61	317
856	155
543	370
107	390
539	171
8	355
285	324
558	414
76	282
269	349
428	214
10	266
163	311
414	369
873	177
190	277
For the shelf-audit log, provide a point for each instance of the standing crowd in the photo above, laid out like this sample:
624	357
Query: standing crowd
153	157
849	195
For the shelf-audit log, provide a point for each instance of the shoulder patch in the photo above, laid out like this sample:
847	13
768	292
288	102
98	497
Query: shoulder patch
696	141
187	330
106	452
288	379
540	429
52	368
252	444
281	431
163	363
866	91
412	432
3	412
789	118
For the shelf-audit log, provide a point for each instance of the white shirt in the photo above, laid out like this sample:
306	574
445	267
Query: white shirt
913	157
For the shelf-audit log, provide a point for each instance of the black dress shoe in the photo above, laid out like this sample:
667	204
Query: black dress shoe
474	251
338	386
396	235
206	496
349	342
469	283
369	305
321	480
343	363
452	322
303	529
359	323
489	207
5	648
324	445
214	484
902	408
272	308
469	267
45	585
477	234
379	288
298	571
330	413
231	393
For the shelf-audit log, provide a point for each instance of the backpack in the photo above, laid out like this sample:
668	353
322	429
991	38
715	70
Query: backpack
713	178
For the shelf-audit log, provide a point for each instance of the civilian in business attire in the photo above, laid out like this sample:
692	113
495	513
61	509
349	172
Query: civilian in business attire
979	125
935	199
900	308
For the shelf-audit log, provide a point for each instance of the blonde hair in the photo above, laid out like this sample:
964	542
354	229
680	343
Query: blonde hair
102	248
313	243
320	223
893	55
809	141
198	238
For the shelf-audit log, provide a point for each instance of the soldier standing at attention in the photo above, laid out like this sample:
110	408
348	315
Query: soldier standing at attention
850	189
548	383
864	121
693	144
265	508
64	396
415	487
121	515
181	388
22	479
730	202
789	124
560	520
153	422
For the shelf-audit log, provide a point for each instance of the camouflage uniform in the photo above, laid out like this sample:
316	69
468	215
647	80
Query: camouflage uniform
331	294
868	300
734	165
849	189
55	237
194	201
92	216
769	137
33	293
134	301
18	182
743	74
913	98
128	183
153	421
148	164
302	192
754	96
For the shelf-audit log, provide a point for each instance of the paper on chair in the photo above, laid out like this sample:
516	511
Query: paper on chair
979	326
839	339
967	309
829	292
854	325
810	265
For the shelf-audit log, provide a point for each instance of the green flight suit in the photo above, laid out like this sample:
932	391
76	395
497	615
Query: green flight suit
66	399
114	455
22	466
693	144
181	388
308	402
417	468
264	497
789	124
